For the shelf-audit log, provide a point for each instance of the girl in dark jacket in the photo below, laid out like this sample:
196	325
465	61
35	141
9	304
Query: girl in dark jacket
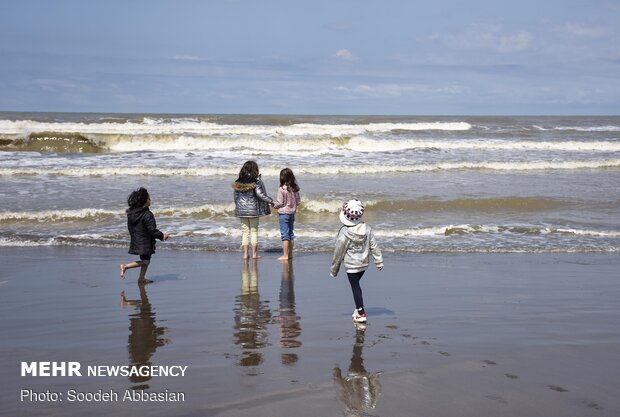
251	202
143	232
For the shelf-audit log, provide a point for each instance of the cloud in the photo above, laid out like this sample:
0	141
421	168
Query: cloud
344	54
390	90
582	31
487	36
55	85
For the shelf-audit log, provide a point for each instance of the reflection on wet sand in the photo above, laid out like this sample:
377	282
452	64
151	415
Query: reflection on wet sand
358	391
251	318
288	319
144	336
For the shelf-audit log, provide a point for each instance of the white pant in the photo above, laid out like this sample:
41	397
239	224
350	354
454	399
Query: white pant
249	230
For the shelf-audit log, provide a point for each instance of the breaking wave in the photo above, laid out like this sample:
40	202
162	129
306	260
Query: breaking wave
112	171
320	144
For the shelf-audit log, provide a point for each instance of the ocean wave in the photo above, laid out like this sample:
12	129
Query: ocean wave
98	215
480	204
81	240
267	145
198	211
204	128
589	128
366	144
52	142
607	128
449	238
50	216
308	206
112	171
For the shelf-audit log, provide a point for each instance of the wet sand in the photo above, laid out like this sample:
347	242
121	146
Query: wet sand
458	335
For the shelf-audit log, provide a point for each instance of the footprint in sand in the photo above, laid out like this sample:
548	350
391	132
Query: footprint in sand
488	362
557	388
392	326
444	353
512	376
593	405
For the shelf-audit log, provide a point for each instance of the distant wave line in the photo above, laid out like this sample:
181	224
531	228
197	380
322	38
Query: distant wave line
388	236
111	171
25	127
308	205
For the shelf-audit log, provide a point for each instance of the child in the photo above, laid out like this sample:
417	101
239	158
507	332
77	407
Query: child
354	244
251	202
143	232
287	201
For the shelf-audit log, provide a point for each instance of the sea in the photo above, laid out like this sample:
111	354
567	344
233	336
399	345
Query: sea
432	184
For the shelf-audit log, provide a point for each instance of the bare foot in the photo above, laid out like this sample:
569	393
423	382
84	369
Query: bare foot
144	281
283	258
254	256
123	269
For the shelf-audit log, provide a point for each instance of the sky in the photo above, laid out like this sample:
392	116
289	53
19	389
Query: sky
388	57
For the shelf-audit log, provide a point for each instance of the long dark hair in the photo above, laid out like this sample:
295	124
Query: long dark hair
138	198
288	178
249	171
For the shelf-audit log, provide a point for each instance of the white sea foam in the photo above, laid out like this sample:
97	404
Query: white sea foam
443	232
591	233
189	211
95	214
367	144
193	127
589	128
225	209
607	128
112	171
56	215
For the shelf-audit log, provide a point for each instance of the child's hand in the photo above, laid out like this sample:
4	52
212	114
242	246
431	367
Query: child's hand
380	267
166	236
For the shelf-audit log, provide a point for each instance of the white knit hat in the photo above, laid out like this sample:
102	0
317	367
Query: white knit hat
351	213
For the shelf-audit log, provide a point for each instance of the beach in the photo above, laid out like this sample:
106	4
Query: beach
530	334
499	296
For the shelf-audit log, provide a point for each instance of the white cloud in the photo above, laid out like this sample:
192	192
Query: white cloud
487	36
520	41
582	31
55	86
387	90
344	54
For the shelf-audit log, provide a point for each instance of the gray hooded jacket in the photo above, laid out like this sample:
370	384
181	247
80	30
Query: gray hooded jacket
251	199
354	245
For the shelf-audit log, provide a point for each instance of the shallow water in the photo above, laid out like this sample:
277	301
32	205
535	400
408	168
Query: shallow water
430	184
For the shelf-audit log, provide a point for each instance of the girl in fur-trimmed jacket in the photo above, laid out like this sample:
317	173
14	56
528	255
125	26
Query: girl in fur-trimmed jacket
251	202
354	246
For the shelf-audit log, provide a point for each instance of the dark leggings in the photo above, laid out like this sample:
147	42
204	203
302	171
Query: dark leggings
354	280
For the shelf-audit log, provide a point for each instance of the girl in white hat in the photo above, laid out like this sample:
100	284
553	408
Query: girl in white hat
354	246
